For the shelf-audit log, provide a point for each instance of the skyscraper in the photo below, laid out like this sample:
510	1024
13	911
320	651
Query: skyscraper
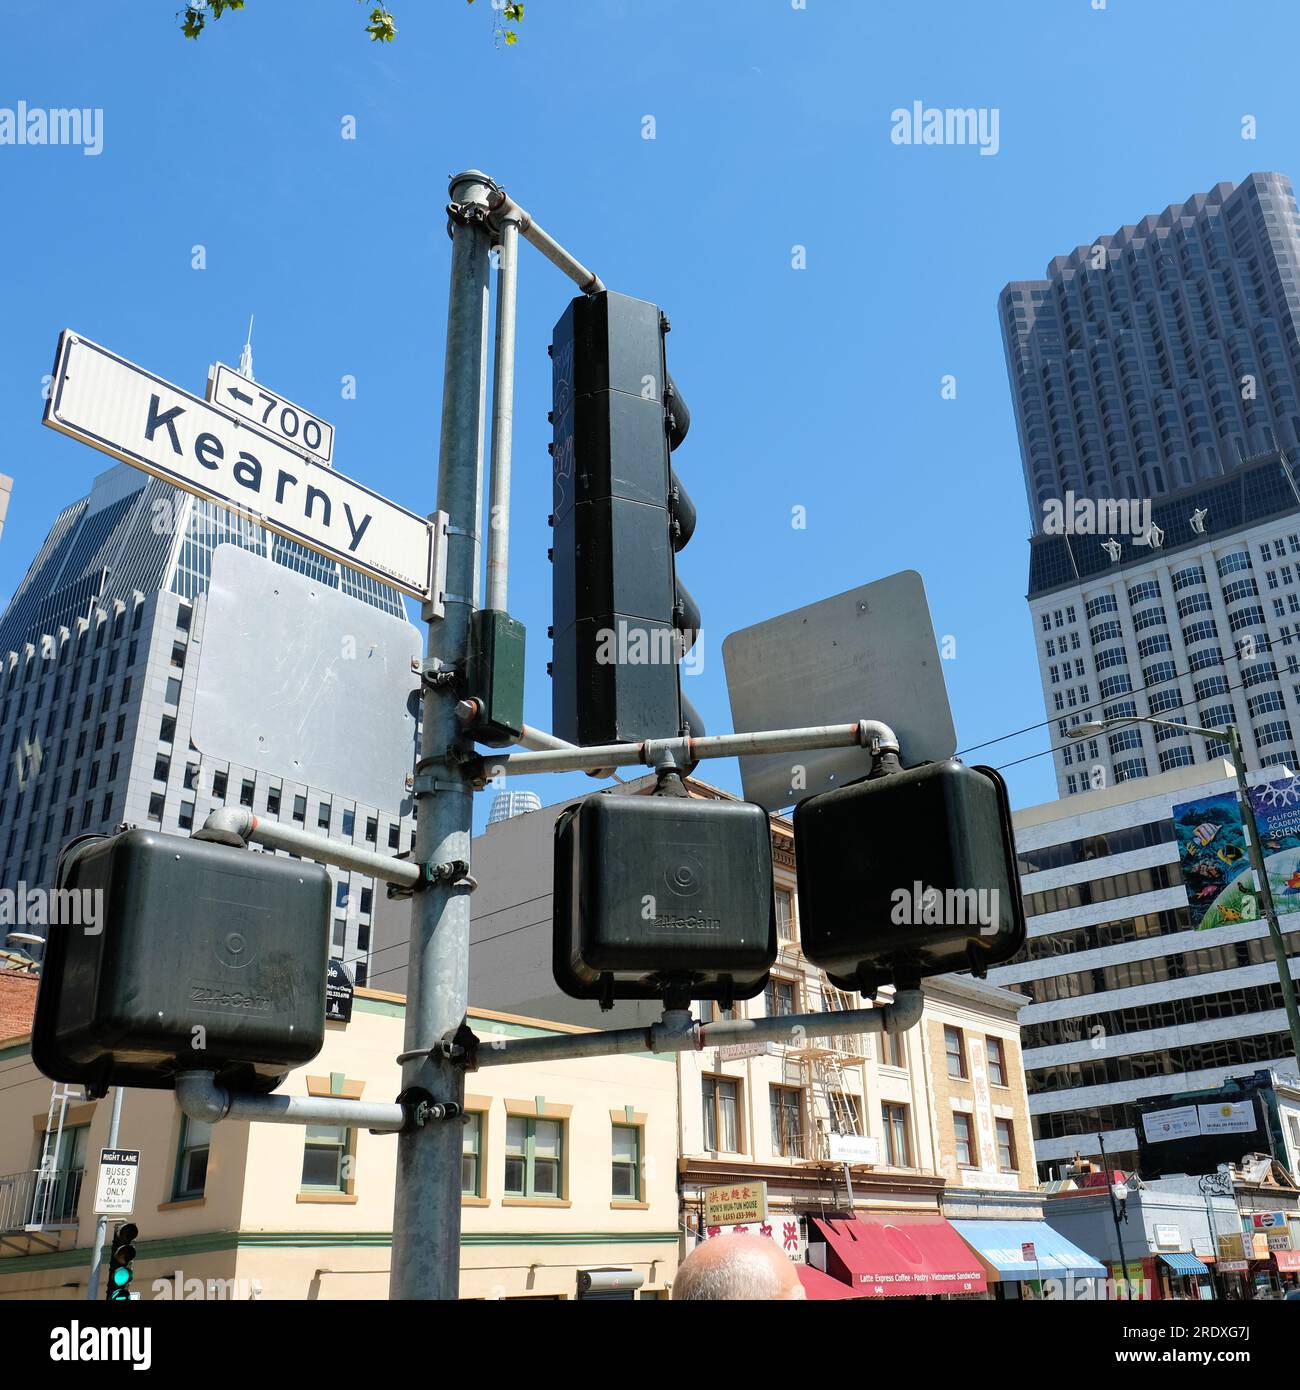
1156	372
507	805
99	658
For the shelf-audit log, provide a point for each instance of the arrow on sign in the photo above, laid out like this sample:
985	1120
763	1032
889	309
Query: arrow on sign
239	395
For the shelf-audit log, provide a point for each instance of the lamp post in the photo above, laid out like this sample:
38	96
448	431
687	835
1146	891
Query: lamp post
1115	1200
1232	738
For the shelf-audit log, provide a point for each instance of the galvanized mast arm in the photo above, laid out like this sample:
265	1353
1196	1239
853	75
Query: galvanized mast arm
502	209
677	1031
682	752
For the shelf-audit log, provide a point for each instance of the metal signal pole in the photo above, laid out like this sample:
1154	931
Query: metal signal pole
426	1211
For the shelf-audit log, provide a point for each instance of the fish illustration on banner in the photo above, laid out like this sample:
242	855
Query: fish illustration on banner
1214	854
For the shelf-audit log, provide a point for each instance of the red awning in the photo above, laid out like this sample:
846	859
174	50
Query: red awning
821	1286
900	1254
1288	1261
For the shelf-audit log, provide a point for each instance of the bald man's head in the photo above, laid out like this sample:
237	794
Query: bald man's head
736	1267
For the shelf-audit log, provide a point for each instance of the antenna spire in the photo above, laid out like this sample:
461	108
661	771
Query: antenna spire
246	357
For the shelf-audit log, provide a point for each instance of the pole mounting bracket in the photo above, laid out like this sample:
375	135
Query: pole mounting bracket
419	1109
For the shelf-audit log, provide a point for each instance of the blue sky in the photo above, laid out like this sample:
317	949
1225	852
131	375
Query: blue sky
817	388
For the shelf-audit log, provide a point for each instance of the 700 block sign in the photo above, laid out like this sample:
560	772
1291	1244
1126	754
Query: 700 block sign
120	409
299	428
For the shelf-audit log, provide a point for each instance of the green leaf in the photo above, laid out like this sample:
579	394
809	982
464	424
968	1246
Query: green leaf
381	27
511	36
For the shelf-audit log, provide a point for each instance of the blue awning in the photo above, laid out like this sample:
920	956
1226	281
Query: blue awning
1185	1264
999	1243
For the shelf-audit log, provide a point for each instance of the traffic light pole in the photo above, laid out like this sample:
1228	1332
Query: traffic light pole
101	1222
426	1211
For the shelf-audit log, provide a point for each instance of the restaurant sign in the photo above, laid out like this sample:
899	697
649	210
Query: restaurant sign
736	1204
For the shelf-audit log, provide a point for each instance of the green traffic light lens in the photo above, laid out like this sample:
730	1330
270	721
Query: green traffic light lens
119	1296
121	1276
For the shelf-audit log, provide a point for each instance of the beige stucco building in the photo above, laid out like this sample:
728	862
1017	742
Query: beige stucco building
568	1166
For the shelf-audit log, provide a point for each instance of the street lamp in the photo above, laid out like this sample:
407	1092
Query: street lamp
1229	735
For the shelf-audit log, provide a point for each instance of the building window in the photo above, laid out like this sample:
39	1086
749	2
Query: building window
349	823
997	1061
963	1128
955	1047
709	1012
892	1050
300	809
173	695
779	997
323	816
785	914
1006	1145
324	1159
192	1159
156	807
372	829
534	1153
394	832
273	801
185	815
721	1114
843	1112
246	793
219	784
626	1155
898	1153
786	1104
471	1155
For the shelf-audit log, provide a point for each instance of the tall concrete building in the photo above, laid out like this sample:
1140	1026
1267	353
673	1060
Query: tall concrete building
1127	1001
507	805
1159	369
100	670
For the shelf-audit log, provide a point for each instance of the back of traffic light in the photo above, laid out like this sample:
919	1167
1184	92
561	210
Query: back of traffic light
908	873
663	897
120	1259
200	957
622	620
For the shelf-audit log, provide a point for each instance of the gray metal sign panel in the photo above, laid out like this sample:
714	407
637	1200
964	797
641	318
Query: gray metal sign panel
869	653
303	682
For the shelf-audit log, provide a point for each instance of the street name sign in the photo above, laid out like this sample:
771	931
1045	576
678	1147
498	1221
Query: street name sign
869	653
122	410
115	1186
296	427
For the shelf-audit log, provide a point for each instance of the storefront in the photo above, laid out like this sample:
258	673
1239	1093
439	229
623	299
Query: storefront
896	1255
1029	1260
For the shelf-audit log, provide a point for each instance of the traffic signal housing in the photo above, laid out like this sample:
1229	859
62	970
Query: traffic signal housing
120	1259
622	620
908	875
175	954
663	897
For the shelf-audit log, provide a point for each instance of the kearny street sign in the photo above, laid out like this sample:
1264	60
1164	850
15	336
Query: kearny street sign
122	410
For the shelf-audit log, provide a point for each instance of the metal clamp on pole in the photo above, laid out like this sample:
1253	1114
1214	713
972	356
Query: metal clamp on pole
420	1108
